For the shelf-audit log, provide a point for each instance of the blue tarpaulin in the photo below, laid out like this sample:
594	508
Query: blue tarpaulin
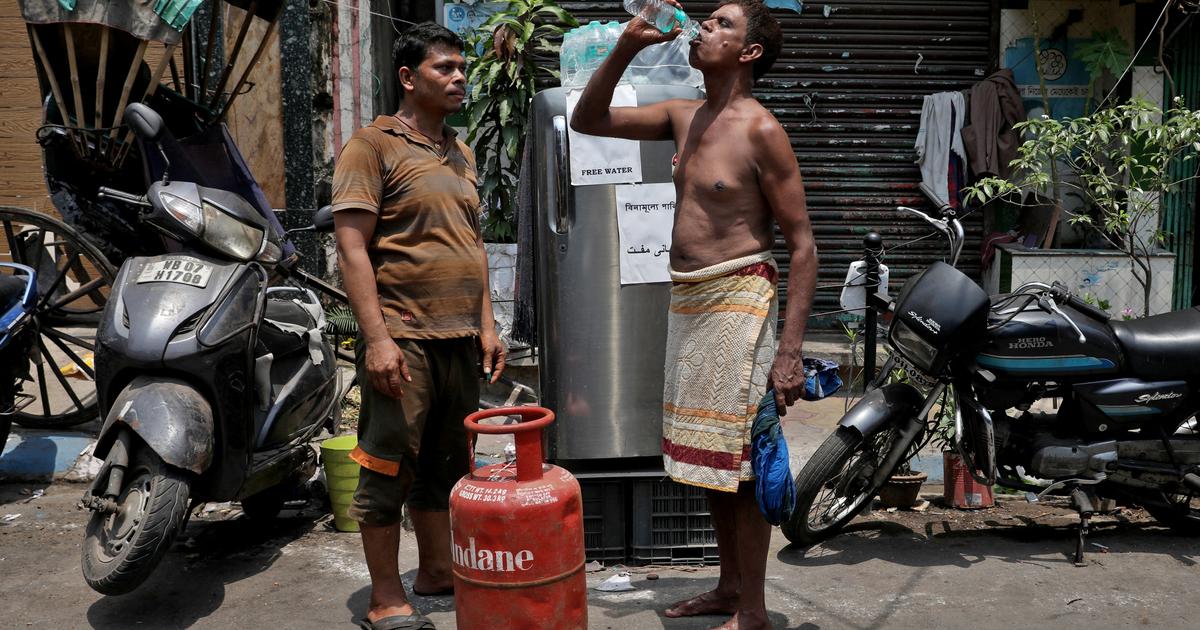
176	12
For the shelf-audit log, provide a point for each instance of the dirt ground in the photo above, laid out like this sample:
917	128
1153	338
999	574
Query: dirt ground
1009	566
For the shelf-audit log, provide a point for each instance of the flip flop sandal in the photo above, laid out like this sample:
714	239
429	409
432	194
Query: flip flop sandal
441	593
415	621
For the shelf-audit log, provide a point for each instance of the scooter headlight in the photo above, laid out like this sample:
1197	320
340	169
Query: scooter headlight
229	235
184	211
216	227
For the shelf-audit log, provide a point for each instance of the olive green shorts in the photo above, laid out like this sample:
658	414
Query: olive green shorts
414	449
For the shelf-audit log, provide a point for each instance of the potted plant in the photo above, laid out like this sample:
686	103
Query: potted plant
903	488
507	59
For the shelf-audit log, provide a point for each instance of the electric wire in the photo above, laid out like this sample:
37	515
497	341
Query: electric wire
382	15
1150	34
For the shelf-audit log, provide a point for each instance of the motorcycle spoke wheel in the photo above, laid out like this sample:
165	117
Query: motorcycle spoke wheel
74	281
844	492
835	484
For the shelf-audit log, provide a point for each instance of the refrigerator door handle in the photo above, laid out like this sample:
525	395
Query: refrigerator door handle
561	175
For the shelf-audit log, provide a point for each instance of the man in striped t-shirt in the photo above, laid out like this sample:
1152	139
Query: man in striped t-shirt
412	258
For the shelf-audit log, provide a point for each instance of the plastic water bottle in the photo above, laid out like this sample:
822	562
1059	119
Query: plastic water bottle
568	58
665	17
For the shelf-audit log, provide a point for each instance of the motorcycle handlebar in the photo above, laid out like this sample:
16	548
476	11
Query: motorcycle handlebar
1062	294
109	193
948	225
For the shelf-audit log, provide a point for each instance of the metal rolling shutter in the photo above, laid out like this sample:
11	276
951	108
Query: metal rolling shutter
848	88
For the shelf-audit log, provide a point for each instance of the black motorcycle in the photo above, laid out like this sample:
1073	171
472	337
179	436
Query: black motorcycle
1124	430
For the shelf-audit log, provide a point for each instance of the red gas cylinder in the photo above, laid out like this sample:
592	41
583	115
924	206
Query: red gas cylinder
959	488
517	535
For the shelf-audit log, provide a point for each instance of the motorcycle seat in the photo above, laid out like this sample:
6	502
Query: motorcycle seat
282	342
1161	346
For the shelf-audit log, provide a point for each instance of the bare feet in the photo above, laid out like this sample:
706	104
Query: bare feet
746	621
381	611
429	584
710	603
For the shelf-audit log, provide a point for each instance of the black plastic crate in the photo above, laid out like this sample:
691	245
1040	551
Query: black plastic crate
671	523
675	555
604	519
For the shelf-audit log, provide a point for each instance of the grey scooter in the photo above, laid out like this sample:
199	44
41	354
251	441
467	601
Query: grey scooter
212	381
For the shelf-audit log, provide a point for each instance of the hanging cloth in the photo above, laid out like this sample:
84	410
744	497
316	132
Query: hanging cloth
940	134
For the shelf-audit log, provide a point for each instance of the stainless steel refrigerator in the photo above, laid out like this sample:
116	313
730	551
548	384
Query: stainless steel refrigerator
602	344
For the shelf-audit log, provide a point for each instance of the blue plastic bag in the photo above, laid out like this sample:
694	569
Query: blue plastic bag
773	486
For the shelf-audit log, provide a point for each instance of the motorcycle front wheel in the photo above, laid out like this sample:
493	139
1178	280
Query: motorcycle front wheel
835	485
121	548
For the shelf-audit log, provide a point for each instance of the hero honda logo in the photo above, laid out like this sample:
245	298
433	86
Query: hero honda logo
1030	342
1145	398
927	322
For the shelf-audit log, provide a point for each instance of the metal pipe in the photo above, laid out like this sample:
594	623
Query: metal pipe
872	250
208	51
262	45
233	55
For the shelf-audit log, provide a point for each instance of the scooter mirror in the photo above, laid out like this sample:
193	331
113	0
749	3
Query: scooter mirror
145	122
323	219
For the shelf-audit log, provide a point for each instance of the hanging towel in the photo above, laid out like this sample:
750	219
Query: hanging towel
773	485
940	134
990	138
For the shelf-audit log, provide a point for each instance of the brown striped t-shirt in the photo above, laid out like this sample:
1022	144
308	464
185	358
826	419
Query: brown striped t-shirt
425	251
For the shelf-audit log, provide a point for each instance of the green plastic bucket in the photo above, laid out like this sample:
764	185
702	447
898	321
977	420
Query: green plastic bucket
341	475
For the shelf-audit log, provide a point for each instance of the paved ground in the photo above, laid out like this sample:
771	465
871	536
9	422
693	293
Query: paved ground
1000	568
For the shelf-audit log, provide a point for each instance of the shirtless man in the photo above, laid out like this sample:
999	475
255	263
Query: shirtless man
736	176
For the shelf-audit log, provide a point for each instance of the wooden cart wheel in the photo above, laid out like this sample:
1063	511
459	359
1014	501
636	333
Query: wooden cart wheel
74	280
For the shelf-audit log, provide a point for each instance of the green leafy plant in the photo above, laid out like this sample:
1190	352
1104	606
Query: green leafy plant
1106	54
340	322
1092	300
504	73
1121	160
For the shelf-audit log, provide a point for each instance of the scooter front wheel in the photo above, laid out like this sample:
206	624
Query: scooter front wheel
123	545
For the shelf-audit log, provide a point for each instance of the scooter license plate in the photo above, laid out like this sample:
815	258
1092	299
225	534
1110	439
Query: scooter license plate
177	269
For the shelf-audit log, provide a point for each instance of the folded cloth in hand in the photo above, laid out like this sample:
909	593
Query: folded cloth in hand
773	486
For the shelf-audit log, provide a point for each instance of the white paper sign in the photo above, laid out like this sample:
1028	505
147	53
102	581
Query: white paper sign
645	216
598	160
